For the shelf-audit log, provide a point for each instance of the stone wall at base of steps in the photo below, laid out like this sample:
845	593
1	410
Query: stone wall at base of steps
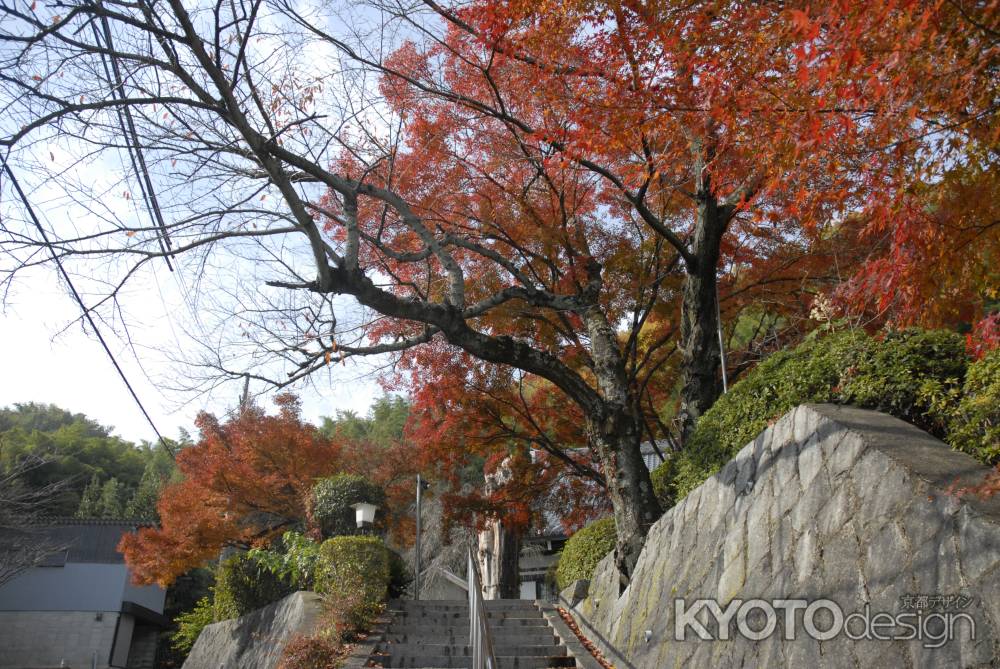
831	503
256	639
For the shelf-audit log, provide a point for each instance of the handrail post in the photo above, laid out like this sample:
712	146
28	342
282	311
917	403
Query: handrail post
480	640
475	639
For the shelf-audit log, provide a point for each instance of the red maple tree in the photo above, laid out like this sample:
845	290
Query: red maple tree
246	480
557	190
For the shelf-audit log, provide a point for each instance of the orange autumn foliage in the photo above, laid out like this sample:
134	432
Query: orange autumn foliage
245	480
878	116
465	413
862	135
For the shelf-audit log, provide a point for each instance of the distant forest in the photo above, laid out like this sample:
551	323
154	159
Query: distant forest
106	476
109	477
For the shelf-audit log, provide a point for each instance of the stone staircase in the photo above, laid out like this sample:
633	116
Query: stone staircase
435	634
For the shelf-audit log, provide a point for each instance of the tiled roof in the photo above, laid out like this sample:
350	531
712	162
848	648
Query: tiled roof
65	520
88	540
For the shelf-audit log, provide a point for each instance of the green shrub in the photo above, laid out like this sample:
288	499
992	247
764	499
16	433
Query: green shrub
243	584
353	571
975	423
190	624
807	373
330	505
584	550
293	560
912	374
662	477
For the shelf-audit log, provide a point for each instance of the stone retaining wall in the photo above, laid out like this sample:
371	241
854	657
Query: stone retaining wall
257	639
830	502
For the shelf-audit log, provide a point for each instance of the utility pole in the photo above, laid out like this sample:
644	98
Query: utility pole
421	486
722	343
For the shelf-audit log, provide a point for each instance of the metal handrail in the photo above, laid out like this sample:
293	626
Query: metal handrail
480	638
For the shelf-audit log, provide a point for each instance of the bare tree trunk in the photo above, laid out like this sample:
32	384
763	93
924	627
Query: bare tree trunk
25	542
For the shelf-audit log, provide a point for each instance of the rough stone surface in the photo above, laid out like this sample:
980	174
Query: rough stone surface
575	592
257	639
830	502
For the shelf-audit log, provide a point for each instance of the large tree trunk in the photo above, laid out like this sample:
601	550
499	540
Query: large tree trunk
699	314
617	438
499	555
616	434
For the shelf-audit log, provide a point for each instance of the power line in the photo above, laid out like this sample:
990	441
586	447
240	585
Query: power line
127	126
79	301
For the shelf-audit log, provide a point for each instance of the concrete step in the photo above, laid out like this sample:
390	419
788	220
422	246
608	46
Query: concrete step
435	635
458	624
491	604
454	662
440	650
534	637
459	615
459	621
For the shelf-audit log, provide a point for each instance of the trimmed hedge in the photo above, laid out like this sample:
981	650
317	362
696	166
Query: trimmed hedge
243	584
912	374
330	504
584	550
975	423
355	571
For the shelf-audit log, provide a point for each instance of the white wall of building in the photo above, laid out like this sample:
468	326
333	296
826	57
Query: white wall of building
49	638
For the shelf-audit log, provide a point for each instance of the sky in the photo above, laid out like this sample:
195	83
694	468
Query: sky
43	361
45	354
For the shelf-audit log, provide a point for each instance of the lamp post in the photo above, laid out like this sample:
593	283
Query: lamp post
364	514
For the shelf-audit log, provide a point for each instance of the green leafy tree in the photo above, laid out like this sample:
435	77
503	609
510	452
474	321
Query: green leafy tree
293	561
74	448
243	584
383	426
190	624
142	504
332	498
90	503
112	499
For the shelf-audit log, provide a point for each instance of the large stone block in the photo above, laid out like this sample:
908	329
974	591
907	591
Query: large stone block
258	638
829	502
